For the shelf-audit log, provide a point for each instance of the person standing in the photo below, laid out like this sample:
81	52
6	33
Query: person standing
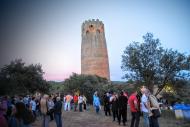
134	104
80	102
114	103
3	109
33	106
145	106
84	102
154	106
68	99
96	102
51	107
122	106
75	102
107	104
44	110
58	112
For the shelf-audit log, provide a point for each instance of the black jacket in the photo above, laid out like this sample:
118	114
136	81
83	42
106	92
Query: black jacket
122	102
58	107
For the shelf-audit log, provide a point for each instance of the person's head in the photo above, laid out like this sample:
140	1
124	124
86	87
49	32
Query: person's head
147	92
121	93
33	98
46	96
58	99
107	94
143	89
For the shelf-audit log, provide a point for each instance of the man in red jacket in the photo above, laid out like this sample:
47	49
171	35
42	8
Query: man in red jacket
134	104
75	102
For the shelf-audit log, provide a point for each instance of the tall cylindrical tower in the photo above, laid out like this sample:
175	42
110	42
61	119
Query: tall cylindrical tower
94	55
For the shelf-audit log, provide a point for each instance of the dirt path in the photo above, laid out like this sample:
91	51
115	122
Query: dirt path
91	119
82	119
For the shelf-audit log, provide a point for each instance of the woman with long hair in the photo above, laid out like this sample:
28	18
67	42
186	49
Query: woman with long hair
44	110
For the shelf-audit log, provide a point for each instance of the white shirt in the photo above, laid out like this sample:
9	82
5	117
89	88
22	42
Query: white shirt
144	100
80	99
112	98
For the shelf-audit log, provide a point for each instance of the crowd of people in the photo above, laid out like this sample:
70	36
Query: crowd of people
141	103
22	111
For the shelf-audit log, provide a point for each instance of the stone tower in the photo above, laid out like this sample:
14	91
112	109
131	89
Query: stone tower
94	55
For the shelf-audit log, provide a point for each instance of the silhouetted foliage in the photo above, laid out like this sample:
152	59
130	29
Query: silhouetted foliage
150	64
86	84
17	78
180	92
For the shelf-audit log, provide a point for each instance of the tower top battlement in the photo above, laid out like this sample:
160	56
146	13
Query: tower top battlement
92	22
92	26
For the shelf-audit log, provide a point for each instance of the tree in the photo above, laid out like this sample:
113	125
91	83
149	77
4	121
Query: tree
86	84
150	64
178	92
17	78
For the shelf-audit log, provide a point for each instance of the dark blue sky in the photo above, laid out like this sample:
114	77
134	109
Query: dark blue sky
49	31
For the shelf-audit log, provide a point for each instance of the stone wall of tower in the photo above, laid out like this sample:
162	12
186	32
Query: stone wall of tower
94	56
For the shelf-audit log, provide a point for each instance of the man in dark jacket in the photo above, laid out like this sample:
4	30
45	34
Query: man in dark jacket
107	104
122	107
58	112
114	103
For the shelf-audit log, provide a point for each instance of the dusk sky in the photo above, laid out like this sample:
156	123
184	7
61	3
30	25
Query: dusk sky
49	31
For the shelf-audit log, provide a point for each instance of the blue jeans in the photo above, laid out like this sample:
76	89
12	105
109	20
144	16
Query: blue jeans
80	107
58	119
146	119
97	109
67	106
45	122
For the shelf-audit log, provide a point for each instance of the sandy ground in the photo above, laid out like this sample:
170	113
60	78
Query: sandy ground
91	119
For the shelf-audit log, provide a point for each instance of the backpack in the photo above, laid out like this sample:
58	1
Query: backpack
28	117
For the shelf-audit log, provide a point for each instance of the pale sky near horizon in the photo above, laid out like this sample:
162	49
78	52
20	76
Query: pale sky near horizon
49	32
